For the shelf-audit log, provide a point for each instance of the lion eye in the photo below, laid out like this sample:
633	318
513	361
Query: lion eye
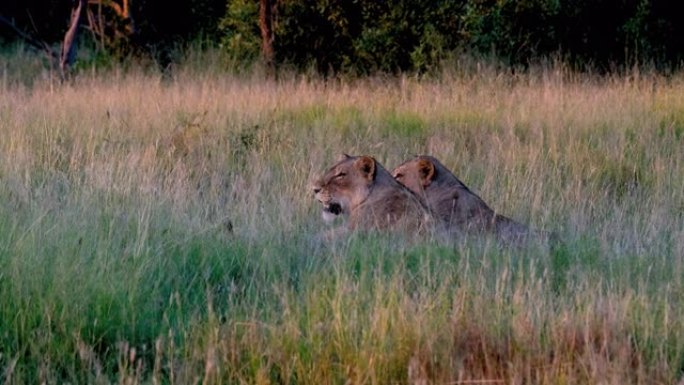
340	175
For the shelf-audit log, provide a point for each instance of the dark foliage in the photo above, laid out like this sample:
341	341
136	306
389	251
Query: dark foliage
159	24
398	35
366	36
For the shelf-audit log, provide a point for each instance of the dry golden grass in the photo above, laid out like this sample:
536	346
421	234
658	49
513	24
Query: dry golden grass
162	231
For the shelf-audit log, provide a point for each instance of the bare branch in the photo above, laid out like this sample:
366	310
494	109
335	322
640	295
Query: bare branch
32	41
68	55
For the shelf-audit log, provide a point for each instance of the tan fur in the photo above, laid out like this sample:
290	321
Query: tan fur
451	202
359	188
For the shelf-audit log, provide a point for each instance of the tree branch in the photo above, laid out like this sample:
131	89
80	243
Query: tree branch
68	55
32	41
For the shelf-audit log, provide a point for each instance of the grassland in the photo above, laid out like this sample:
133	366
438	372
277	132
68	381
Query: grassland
158	230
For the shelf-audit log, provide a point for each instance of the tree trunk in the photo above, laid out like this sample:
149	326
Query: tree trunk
267	37
68	55
115	33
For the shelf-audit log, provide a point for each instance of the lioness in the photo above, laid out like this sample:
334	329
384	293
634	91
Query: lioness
456	207
359	188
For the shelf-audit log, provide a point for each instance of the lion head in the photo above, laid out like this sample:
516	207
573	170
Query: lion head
344	185
359	188
455	206
449	199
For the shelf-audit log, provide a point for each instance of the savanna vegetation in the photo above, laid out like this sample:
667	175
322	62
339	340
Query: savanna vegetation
359	37
162	230
157	223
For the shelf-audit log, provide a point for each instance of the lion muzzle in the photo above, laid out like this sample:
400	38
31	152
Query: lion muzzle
331	211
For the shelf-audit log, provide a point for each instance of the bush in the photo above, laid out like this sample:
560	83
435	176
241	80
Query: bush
416	35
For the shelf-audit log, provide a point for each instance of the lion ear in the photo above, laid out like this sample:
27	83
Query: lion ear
426	171
366	165
342	157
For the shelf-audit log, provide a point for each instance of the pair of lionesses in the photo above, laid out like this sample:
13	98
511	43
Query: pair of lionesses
361	189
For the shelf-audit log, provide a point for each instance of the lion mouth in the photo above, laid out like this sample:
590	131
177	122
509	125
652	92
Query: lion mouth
331	211
333	208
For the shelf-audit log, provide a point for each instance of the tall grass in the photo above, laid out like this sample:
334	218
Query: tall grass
156	230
